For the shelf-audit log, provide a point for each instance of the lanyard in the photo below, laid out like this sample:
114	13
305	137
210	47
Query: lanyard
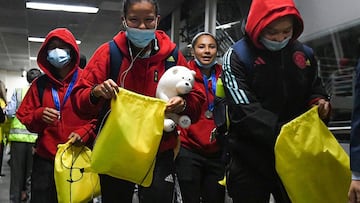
213	87
67	94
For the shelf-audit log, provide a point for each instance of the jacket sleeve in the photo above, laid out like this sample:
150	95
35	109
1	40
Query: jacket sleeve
87	131
355	126
195	98
11	106
248	118
96	72
30	111
317	89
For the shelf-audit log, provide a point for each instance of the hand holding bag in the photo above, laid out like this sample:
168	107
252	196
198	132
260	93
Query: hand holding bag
127	145
310	162
74	180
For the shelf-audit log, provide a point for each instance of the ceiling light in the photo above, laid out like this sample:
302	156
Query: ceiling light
33	58
41	39
61	7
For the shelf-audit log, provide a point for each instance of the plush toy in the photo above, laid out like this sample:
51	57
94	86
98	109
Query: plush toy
177	80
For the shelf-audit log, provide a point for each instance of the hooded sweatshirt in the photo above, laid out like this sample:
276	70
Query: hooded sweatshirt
141	78
31	109
278	87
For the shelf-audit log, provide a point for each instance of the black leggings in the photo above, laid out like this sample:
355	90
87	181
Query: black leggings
161	189
115	190
246	184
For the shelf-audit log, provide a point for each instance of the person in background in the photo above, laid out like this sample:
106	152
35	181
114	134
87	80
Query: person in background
280	84
354	190
199	164
22	142
52	115
144	51
2	104
2	121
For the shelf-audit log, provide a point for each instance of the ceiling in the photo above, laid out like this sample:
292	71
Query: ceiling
17	23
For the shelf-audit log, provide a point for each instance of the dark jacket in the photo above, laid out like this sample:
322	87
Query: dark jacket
355	127
279	86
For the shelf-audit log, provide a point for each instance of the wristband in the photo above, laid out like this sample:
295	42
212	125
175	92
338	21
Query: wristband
93	98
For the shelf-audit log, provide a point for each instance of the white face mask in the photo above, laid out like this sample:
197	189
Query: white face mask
59	57
274	45
205	66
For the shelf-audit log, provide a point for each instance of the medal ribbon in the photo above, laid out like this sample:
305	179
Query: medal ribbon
213	87
67	94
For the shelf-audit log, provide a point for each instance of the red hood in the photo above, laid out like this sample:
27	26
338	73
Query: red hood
65	35
263	12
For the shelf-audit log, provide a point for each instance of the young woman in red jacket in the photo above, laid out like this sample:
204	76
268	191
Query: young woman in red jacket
144	51
199	163
52	115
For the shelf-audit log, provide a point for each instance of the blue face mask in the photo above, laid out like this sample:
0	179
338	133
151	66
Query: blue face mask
58	57
140	37
205	66
274	45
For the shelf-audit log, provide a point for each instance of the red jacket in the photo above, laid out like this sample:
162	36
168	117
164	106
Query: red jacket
31	108
197	136
142	78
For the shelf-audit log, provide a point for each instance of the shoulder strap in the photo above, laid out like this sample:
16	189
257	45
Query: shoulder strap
308	51
40	84
115	60
172	59
244	53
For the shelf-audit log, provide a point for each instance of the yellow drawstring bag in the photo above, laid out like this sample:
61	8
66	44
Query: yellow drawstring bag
310	162
127	145
74	180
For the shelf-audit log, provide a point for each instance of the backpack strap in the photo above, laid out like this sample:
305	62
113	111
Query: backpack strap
115	60
308	51
40	84
172	59
244	53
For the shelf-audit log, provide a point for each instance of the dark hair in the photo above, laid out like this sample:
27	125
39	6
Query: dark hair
82	63
196	37
32	74
128	3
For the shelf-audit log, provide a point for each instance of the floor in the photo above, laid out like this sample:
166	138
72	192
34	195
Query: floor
5	180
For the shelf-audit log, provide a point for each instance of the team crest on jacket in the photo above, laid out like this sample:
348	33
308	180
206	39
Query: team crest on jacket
299	59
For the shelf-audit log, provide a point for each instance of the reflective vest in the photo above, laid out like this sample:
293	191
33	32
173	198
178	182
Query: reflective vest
18	131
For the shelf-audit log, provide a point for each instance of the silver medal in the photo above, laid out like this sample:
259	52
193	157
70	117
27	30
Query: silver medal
208	114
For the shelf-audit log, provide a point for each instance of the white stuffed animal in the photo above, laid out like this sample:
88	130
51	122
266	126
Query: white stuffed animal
177	80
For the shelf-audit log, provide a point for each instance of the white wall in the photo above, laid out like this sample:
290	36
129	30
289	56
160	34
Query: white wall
322	17
12	80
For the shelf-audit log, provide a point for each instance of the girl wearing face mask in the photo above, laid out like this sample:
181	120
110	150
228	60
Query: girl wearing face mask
269	78
52	115
144	51
199	163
